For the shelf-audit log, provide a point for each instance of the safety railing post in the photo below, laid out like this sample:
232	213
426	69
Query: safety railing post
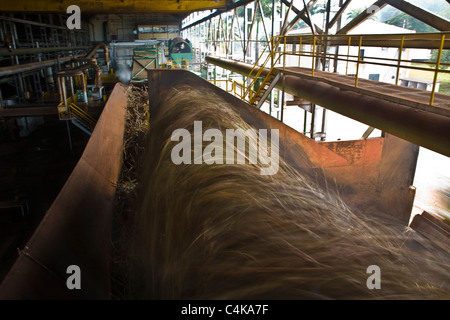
399	60
436	71
299	50
358	62
348	54
313	54
272	51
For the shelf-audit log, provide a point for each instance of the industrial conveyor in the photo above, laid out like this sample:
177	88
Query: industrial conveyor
372	175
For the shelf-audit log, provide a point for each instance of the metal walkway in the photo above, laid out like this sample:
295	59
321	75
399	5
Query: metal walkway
419	116
412	97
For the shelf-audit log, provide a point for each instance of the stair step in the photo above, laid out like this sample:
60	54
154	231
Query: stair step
81	125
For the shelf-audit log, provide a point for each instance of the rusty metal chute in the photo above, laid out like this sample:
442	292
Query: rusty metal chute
371	175
76	228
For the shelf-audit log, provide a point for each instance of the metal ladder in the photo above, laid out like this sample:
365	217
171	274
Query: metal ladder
270	80
79	118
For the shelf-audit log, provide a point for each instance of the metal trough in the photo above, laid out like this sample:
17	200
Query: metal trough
372	175
76	228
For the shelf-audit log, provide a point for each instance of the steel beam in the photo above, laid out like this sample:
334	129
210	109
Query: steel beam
298	17
302	15
420	127
34	23
361	17
339	13
113	6
218	12
423	15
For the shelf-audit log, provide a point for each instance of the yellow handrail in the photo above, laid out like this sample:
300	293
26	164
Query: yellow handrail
438	41
82	115
75	111
266	79
270	56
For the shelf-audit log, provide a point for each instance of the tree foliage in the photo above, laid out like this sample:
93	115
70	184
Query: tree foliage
266	7
445	57
404	20
352	14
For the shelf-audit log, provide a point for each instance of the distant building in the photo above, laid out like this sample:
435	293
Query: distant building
419	83
371	71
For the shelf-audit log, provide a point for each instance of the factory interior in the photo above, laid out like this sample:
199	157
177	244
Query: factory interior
351	96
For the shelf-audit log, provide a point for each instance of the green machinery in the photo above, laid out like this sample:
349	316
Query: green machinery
180	53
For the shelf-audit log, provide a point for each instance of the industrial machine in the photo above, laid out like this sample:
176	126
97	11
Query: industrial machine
180	53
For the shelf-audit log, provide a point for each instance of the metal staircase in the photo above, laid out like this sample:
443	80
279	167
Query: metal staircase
79	117
81	125
265	88
258	96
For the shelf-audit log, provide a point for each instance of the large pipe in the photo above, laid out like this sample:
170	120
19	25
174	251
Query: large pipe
94	50
61	82
420	127
77	70
17	52
10	70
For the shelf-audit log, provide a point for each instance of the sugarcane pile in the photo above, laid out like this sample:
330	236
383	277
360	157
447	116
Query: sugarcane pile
223	230
136	129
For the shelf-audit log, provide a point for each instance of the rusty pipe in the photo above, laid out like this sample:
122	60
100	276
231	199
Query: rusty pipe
85	97
420	127
10	70
17	52
86	60
72	73
58	82
98	46
77	70
64	92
